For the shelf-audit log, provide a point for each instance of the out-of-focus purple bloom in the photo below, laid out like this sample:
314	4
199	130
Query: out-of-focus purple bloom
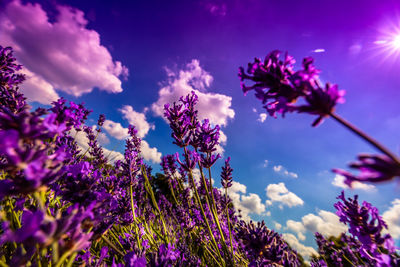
279	87
132	260
373	168
10	96
30	160
39	230
322	102
226	174
366	225
73	116
166	256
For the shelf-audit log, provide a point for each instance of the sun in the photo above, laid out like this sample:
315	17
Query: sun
395	43
387	45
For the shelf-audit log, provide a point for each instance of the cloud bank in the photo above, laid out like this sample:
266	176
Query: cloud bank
59	55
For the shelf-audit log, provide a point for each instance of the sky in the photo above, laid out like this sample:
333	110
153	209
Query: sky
126	59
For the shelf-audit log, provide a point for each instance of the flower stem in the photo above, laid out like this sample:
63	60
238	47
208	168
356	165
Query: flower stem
364	136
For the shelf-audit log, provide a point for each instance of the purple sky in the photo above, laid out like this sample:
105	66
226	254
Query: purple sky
127	58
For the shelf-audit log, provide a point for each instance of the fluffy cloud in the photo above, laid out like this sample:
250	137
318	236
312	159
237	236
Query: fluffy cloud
215	107
326	223
115	129
137	119
295	244
277	226
282	170
296	227
338	181
392	218
222	142
279	193
247	204
36	89
61	54
150	153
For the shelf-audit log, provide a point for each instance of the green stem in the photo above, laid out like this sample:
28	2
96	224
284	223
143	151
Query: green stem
197	197
364	136
71	260
112	246
134	216
153	199
229	223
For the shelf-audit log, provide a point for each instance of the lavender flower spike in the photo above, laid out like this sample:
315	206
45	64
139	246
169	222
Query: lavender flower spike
373	168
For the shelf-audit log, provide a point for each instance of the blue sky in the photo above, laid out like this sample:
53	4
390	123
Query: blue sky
127	58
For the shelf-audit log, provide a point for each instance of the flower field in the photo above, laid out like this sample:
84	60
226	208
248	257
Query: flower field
61	205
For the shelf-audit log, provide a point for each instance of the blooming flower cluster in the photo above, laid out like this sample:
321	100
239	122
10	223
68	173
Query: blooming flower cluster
279	87
365	245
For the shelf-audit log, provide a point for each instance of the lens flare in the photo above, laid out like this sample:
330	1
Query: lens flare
396	42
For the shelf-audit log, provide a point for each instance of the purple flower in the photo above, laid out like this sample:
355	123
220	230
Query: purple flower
322	102
279	87
207	137
101	120
373	168
10	97
226	174
190	160
366	225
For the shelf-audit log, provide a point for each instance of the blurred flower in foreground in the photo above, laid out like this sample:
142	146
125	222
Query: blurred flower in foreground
279	87
373	168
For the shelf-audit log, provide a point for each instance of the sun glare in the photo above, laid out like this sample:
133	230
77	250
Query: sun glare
387	45
396	42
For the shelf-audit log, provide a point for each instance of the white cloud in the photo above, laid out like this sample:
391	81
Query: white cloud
62	54
279	193
36	89
305	251
282	170
265	163
296	227
137	119
262	117
115	129
248	204
150	153
326	223
338	181
222	142
392	218
215	107
278	226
